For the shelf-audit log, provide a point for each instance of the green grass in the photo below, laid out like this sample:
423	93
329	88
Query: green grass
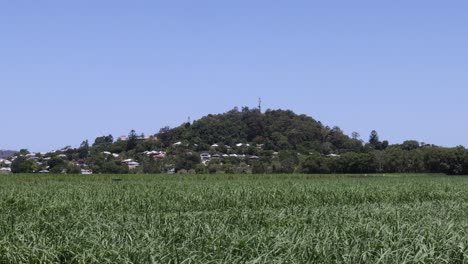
234	219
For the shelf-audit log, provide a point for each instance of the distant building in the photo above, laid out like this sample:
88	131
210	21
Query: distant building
205	157
86	172
133	165
159	156
5	170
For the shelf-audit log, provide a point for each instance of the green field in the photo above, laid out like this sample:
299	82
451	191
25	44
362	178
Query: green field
233	219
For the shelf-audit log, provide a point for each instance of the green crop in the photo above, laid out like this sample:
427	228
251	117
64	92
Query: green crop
233	219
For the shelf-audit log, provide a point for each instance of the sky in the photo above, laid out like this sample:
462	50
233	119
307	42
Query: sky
75	70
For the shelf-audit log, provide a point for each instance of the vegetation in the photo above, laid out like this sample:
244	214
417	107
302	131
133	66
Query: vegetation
249	141
233	219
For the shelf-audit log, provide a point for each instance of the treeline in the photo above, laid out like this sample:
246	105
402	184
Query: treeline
394	159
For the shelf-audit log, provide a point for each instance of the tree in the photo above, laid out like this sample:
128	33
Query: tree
23	152
56	165
83	150
375	143
104	140
410	145
314	164
132	140
150	165
165	136
374	139
258	168
23	165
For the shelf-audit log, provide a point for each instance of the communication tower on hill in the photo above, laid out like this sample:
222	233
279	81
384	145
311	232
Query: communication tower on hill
260	104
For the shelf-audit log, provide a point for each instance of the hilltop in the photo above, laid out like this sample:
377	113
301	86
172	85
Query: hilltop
247	141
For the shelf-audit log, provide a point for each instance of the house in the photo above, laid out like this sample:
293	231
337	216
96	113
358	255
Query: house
5	170
86	172
177	144
254	157
159	156
233	155
62	156
216	156
214	145
106	153
133	165
239	145
5	162
333	156
205	157
44	171
123	138
115	155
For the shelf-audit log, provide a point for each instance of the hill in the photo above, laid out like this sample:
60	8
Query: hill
275	130
248	141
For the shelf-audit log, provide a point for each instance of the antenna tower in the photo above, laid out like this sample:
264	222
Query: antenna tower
260	104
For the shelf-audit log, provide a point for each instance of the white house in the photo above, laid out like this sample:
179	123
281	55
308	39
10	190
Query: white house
86	172
5	170
205	157
133	165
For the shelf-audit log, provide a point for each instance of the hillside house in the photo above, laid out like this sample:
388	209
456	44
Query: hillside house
5	170
133	165
159	156
205	157
86	172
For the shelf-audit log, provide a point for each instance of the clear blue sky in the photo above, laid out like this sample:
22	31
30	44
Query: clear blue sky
74	70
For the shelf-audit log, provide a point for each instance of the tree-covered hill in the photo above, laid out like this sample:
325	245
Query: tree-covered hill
247	141
275	130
